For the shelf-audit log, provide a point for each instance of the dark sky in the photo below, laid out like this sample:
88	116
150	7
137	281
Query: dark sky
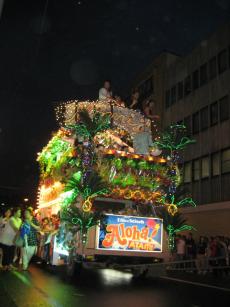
54	50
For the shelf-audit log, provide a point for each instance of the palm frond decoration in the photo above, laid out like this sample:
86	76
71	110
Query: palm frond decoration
74	181
88	126
176	220
82	220
173	224
172	205
174	139
88	188
93	185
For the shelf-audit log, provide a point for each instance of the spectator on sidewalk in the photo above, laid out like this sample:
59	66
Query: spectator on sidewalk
30	248
8	238
3	221
201	260
223	254
190	249
180	248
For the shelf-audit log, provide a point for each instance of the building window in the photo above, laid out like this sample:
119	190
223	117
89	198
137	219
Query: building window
224	108
196	170
187	172
167	99
195	123
180	90
187	86
204	118
173	95
187	123
203	74
195	79
222	61
225	161
216	164
214	113
212	68
146	88
205	167
149	86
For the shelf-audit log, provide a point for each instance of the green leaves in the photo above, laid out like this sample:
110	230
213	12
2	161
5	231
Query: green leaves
77	176
74	182
171	200
92	185
174	138
186	201
172	225
89	127
54	155
84	220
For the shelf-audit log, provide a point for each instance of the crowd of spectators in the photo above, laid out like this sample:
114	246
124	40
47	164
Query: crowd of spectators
24	234
205	254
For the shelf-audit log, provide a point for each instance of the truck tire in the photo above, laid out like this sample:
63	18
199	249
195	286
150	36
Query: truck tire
139	273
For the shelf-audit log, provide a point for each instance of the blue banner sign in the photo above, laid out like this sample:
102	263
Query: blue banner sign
130	233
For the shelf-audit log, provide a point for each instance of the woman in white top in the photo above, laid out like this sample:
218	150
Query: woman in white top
3	221
105	92
8	237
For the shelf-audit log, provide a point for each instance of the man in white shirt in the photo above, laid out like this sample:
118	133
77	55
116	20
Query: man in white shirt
105	92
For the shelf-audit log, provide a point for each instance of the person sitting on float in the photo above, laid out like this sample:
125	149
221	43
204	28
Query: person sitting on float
105	92
149	110
119	101
134	99
142	141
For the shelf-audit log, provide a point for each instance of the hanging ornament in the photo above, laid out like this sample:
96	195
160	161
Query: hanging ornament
87	205
172	209
128	194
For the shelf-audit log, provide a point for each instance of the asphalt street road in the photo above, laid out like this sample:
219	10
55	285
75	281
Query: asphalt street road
105	288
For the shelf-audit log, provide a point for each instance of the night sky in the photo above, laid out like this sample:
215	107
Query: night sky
54	50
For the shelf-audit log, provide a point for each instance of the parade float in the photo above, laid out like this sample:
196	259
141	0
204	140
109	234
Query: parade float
111	182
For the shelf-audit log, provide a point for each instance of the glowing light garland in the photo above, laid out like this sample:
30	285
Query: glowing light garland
172	232
128	119
169	140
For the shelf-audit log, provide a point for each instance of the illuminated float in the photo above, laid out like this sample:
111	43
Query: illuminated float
109	181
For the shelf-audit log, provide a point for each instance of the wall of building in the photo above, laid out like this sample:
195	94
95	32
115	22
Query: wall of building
154	74
195	90
209	220
205	110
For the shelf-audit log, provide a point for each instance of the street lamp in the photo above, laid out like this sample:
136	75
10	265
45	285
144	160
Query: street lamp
26	200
